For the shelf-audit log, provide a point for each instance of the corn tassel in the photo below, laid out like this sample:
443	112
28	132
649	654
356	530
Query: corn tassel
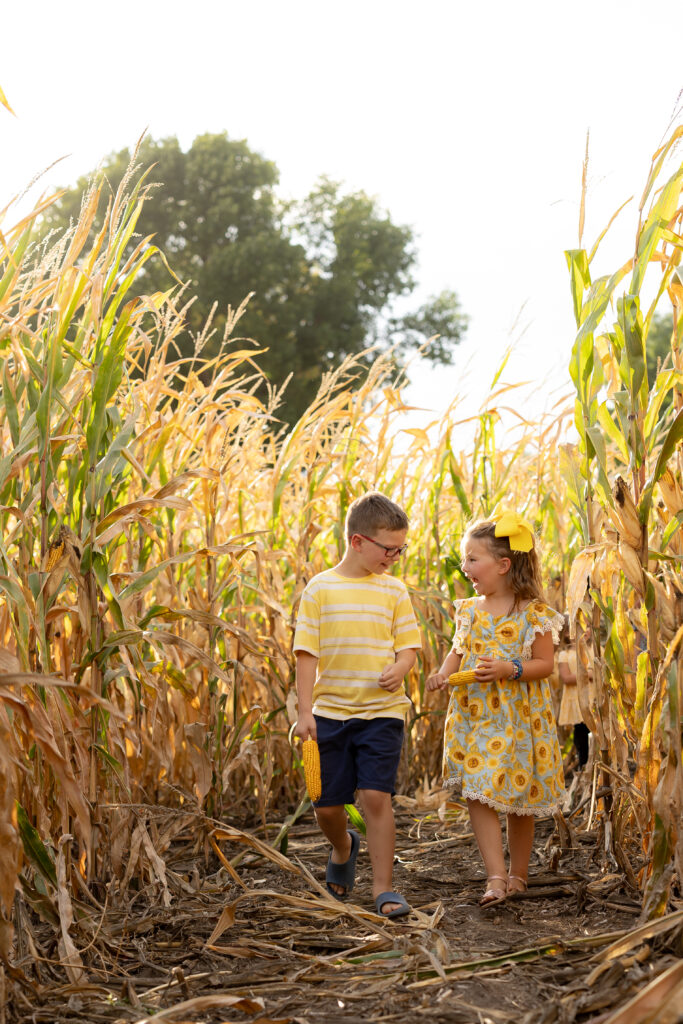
462	678
311	758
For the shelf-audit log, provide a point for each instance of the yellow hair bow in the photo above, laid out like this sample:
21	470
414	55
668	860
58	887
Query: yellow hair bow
518	532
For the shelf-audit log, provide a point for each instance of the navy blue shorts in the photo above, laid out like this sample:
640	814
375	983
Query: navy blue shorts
357	753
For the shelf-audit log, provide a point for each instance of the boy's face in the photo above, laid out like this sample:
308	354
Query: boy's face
379	551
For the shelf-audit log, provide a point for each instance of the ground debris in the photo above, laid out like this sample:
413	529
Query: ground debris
255	937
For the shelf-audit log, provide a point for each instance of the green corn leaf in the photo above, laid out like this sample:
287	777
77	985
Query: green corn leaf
613	432
631	323
673	436
579	278
672	528
14	260
34	847
355	817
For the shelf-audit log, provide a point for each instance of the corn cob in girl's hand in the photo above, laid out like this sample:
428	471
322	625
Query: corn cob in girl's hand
462	678
311	759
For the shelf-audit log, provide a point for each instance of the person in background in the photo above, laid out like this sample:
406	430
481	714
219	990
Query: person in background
570	710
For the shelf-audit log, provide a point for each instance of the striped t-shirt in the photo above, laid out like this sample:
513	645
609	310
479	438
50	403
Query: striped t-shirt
355	627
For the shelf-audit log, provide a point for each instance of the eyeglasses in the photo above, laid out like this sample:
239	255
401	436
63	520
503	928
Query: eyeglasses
390	552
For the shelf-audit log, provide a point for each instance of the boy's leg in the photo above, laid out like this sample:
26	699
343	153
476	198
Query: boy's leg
520	843
378	744
338	786
381	839
334	824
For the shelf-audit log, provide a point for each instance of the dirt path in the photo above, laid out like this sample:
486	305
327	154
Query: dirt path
261	942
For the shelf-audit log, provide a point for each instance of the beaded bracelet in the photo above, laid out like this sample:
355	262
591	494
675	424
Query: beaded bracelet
518	668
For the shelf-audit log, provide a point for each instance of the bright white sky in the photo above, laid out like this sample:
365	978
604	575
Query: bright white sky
467	120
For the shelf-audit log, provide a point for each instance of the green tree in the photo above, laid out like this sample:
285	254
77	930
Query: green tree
323	271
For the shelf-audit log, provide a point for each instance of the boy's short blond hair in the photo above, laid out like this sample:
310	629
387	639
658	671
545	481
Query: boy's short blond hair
372	512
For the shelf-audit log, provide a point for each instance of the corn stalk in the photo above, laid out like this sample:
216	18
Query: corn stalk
626	583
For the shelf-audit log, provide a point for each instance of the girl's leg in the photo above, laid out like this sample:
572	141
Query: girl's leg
520	842
487	831
381	839
581	735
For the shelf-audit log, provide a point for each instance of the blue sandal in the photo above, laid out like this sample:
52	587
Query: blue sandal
343	874
391	897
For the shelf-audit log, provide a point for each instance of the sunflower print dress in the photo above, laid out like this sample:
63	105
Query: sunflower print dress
500	740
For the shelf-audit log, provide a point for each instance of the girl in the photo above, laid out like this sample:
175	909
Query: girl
500	744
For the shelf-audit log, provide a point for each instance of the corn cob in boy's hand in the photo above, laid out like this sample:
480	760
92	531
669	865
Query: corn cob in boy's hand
462	678
311	759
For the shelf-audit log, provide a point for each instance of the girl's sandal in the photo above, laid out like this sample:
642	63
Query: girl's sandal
494	893
516	888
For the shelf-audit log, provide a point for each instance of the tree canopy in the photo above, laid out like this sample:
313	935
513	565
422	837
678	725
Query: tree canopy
324	271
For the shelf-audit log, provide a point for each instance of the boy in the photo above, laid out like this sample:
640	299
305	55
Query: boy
356	639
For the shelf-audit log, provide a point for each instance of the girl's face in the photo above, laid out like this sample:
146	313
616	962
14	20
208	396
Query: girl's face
484	570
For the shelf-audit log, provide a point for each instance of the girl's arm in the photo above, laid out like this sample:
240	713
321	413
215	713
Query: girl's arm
539	666
566	676
439	679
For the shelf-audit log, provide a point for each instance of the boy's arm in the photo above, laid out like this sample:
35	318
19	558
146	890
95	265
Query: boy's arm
407	639
306	667
393	675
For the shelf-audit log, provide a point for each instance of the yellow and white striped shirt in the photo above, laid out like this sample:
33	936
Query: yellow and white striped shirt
355	627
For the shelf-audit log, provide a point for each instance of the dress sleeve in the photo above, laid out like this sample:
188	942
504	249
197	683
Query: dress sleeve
541	618
462	626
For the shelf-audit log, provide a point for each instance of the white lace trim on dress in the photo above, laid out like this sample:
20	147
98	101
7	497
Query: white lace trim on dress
553	626
542	811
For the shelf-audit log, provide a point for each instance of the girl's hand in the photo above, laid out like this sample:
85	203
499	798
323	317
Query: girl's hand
438	681
488	670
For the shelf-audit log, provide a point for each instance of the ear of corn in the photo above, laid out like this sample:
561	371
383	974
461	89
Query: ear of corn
311	757
462	678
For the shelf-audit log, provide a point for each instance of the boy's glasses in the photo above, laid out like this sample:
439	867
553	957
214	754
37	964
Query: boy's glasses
390	552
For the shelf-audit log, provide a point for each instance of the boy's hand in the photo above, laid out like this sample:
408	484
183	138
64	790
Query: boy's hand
490	669
306	728
438	681
392	677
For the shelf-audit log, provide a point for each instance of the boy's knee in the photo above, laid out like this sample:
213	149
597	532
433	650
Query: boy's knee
375	801
330	814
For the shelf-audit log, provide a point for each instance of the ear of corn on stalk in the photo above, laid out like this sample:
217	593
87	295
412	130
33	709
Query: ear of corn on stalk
462	678
311	758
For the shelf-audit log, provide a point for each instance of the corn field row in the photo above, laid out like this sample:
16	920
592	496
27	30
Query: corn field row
159	522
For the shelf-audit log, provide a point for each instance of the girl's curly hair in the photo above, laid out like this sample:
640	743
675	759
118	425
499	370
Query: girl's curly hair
525	571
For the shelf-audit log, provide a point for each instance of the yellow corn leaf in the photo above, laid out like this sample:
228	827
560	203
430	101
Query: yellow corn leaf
646	1007
200	1004
69	955
579	579
225	921
5	103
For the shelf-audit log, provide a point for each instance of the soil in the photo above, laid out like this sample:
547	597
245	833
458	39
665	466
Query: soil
260	941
